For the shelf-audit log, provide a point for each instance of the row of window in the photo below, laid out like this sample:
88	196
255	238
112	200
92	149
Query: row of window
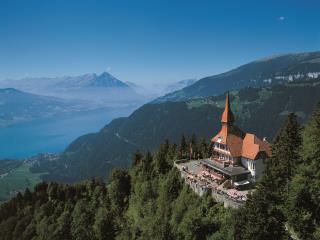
221	146
224	157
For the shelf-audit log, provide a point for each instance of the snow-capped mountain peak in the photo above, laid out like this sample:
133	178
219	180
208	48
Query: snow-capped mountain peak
92	80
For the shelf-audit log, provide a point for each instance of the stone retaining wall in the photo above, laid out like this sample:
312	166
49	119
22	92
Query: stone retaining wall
201	190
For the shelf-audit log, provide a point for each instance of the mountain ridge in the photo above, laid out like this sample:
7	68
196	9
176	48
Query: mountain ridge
261	72
87	79
93	90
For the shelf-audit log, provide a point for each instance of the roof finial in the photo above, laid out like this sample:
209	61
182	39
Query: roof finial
227	116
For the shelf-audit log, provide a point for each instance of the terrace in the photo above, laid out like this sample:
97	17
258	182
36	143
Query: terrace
202	181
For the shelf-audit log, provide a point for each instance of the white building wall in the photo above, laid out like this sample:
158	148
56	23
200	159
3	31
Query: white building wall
256	167
244	162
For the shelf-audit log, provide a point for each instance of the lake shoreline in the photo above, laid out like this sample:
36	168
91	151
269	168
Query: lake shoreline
53	135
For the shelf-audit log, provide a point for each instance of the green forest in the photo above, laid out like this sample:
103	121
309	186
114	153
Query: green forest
150	200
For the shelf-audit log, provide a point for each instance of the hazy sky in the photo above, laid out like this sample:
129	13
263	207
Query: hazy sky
150	41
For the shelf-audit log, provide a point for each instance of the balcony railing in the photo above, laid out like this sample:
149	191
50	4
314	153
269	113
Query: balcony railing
221	162
221	150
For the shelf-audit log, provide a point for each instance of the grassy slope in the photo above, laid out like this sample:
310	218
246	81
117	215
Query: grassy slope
17	179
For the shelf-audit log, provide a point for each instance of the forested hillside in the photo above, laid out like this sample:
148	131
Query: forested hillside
261	111
150	200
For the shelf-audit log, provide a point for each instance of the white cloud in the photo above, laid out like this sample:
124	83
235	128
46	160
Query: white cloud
281	18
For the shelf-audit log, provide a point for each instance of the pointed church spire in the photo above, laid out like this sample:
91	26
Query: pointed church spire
227	116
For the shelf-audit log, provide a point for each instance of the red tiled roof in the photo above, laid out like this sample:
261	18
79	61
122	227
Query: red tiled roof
252	145
241	144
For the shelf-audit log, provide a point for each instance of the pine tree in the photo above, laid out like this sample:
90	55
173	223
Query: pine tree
137	156
103	225
285	154
194	146
263	216
183	147
203	148
162	165
63	226
304	199
119	190
81	227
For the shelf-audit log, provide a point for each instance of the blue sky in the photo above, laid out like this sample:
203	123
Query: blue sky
150	41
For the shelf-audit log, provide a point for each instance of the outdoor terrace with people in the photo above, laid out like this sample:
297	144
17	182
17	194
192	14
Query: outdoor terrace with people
204	181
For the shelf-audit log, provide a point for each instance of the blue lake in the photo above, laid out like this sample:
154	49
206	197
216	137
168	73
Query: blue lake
54	134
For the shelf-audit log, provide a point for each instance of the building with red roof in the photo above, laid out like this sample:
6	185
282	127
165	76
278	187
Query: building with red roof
237	155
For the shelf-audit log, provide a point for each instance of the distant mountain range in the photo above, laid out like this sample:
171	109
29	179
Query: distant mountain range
104	80
263	72
93	89
89	80
33	98
179	85
159	89
102	90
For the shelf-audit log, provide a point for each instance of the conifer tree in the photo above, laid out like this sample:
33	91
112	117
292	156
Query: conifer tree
203	148
119	190
304	199
263	216
161	162
137	156
103	225
183	146
194	145
285	154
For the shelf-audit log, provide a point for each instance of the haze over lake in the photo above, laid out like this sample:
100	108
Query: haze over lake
54	134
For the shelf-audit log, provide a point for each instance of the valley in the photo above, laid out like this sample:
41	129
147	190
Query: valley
17	180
